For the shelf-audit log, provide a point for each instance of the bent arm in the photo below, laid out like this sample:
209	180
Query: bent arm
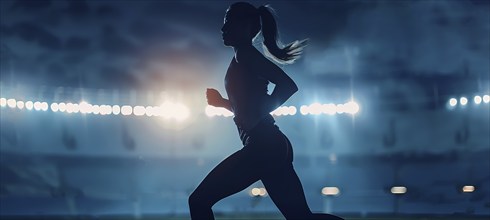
284	88
226	104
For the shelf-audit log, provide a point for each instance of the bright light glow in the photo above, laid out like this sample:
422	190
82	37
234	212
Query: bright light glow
95	109
292	110
351	107
44	106
227	113
330	191
177	111
315	108
126	110
3	102
304	110
149	111
258	192
477	99
37	106
210	111
262	192
29	105
69	107
20	104
329	109
54	107
283	110
468	189
340	108
453	102
139	110
85	108
398	189
11	103
463	100
76	108
255	192
486	98
62	107
105	110
116	109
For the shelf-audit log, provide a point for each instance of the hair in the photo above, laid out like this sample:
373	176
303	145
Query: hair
262	20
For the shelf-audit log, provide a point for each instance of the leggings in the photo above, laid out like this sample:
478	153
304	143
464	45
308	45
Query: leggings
267	156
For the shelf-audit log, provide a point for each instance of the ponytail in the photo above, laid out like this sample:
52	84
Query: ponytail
286	55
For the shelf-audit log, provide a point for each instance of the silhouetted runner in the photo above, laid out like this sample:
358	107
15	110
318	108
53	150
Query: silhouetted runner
267	154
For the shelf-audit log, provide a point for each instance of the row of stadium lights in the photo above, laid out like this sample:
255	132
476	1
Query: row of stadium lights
463	101
167	110
313	109
170	110
335	191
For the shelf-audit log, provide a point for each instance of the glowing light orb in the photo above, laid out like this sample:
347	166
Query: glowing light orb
463	100
453	102
29	105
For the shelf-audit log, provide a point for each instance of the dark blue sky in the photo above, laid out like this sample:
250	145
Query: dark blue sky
154	44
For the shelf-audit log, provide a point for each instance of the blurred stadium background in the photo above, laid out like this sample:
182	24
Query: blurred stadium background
123	153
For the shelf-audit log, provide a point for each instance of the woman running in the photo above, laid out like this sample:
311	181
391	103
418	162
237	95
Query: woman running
267	154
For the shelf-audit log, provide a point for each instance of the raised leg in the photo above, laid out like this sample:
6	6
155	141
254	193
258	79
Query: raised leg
232	175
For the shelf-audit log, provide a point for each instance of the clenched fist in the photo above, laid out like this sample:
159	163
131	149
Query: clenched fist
214	97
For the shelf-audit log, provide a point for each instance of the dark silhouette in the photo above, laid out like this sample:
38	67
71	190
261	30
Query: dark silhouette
267	154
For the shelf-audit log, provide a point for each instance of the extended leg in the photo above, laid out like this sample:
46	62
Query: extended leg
232	175
287	193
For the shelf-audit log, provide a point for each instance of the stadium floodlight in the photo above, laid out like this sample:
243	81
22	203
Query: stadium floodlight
116	109
54	107
262	192
139	110
12	103
62	107
486	98
315	108
76	108
95	109
398	190
37	106
149	111
20	104
330	191
304	110
292	110
468	189
181	112
453	102
477	99
29	105
44	106
177	111
105	110
3	102
85	108
329	109
340	108
69	107
126	110
351	107
463	101
255	192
